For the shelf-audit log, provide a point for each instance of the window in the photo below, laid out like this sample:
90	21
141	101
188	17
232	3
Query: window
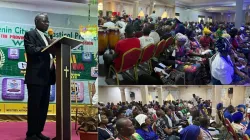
177	15
201	18
210	19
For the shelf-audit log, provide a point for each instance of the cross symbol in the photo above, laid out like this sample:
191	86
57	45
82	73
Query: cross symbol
66	70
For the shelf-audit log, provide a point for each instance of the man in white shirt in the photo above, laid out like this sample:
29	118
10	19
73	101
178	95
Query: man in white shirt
154	17
194	100
145	40
109	23
154	34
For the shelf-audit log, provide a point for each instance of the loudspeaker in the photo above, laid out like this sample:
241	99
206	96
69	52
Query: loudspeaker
132	94
230	90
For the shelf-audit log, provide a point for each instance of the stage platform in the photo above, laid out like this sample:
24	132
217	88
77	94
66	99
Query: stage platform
17	130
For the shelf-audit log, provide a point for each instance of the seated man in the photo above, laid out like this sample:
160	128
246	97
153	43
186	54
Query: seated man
145	40
121	47
163	129
238	127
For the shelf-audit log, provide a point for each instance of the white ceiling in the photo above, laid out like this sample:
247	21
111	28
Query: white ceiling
63	2
226	6
145	2
53	6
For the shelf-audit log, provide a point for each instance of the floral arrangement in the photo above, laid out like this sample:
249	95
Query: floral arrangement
88	119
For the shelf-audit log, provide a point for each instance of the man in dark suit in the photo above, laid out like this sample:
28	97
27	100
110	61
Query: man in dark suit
40	75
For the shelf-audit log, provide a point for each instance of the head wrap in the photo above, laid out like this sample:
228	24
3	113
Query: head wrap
206	31
241	106
237	116
141	118
242	28
219	33
191	131
180	37
219	106
222	45
227	36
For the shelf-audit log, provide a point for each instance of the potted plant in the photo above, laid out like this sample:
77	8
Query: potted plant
100	13
88	121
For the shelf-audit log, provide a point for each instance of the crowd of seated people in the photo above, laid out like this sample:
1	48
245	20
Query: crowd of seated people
208	53
174	120
238	117
216	53
140	33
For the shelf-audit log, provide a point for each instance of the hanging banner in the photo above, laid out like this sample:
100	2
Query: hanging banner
12	35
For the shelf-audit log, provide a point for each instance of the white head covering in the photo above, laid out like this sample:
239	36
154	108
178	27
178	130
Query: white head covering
133	108
141	118
180	37
242	28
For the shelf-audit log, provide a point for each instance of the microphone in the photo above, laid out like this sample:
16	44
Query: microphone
51	33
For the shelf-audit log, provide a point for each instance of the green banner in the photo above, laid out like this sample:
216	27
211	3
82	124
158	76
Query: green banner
13	63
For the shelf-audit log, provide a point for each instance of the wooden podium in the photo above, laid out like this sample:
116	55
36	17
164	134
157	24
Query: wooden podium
62	49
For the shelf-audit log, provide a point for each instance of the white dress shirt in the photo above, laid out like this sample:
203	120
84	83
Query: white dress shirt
47	44
222	70
145	41
154	17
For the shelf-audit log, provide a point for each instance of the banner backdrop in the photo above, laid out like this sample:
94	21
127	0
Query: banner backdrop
13	97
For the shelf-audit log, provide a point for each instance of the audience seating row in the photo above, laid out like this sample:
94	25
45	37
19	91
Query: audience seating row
135	56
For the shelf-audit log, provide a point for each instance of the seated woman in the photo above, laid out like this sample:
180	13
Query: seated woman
182	60
167	32
237	125
242	108
145	130
191	132
194	45
223	69
104	131
206	41
237	43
